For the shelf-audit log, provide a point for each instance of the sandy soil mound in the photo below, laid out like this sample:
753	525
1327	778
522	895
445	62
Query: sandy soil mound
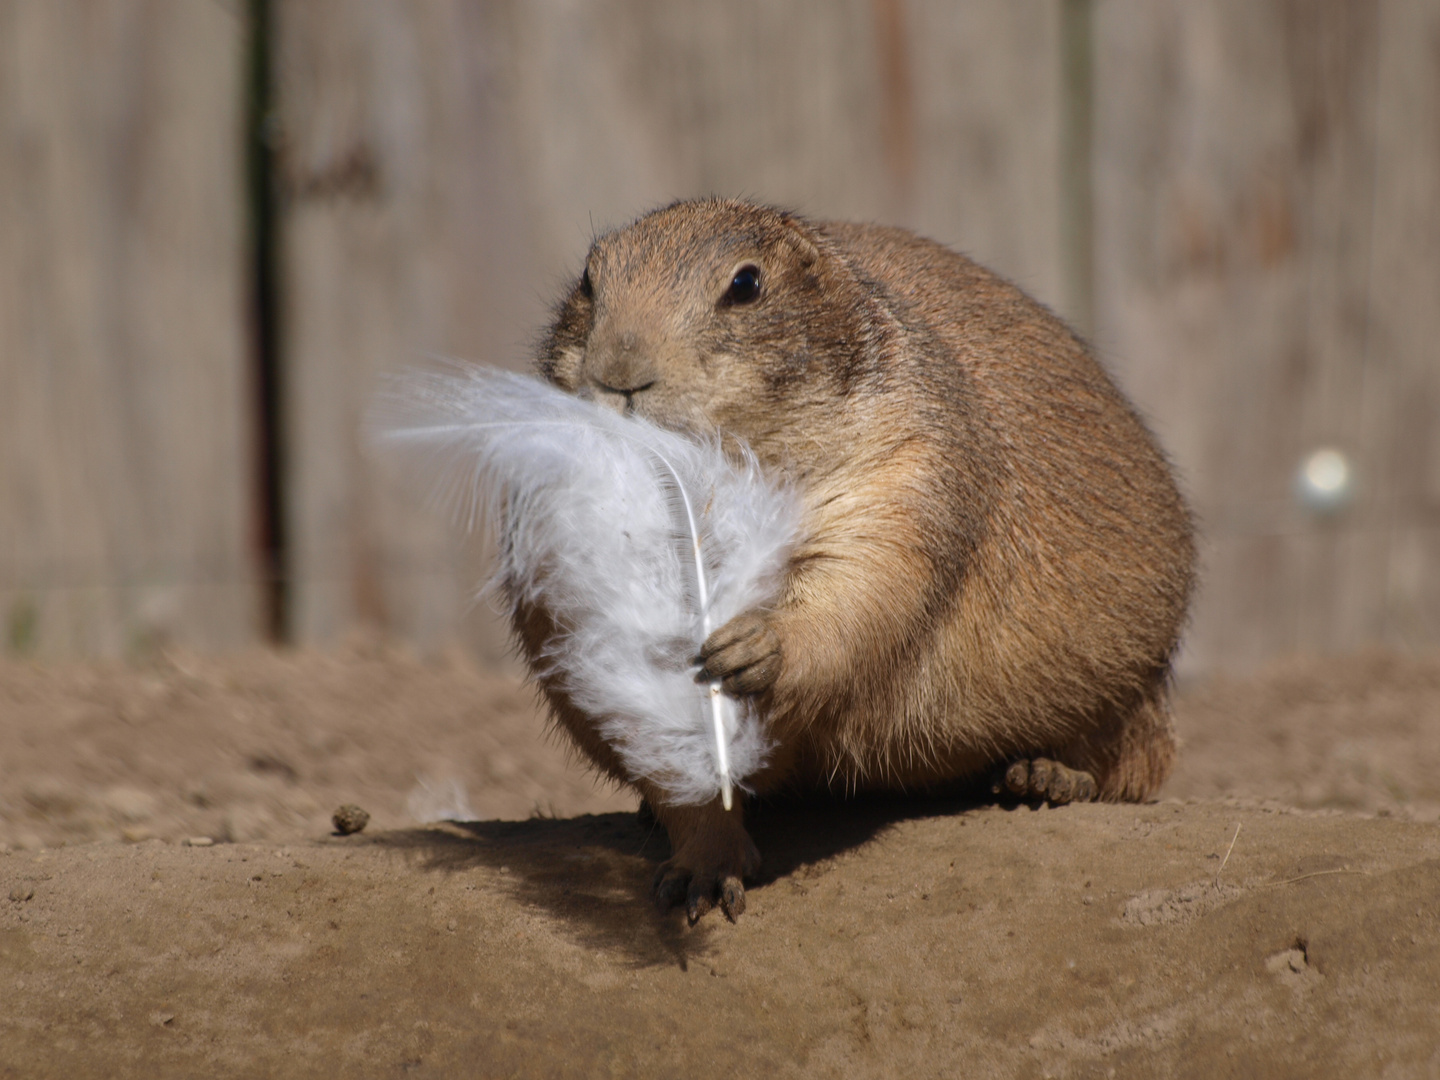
265	745
172	901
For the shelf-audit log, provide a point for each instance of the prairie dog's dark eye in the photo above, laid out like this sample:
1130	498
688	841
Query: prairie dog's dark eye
587	289
744	286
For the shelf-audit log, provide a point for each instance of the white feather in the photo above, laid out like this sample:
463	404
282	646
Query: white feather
638	541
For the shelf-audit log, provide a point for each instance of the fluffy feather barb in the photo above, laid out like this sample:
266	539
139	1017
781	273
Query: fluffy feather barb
639	541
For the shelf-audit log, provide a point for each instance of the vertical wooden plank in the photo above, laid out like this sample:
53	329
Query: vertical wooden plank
400	238
1402	399
124	475
1247	247
447	165
990	96
1077	140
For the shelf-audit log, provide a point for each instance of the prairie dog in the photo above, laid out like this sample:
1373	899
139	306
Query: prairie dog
996	562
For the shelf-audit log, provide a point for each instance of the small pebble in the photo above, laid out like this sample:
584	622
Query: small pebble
199	841
350	819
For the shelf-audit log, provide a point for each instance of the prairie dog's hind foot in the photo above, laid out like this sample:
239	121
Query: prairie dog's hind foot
711	856
1043	780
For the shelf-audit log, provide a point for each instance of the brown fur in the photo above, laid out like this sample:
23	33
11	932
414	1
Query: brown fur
996	562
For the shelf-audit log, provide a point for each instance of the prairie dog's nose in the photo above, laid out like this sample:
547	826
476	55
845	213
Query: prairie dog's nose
621	364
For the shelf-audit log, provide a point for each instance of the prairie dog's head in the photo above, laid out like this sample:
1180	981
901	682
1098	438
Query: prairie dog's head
711	315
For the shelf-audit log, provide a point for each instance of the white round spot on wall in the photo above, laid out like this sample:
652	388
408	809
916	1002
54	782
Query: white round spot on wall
1325	483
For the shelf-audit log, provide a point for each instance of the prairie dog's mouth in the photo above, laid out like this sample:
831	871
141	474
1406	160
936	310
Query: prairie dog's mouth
618	398
626	392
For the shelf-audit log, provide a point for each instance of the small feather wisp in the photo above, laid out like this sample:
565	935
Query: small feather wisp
637	540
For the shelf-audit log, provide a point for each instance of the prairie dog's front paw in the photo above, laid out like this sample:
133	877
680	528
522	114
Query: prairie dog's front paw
744	655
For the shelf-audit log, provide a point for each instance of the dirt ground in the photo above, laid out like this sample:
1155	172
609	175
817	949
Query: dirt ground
173	901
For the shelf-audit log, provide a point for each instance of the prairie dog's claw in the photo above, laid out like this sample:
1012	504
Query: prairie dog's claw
675	885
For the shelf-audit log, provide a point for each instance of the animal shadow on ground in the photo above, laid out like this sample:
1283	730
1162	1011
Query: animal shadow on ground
593	873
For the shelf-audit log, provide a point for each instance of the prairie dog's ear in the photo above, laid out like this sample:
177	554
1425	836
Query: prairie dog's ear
801	238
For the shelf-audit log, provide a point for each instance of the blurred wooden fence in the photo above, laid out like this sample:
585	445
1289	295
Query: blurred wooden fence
125	471
1238	199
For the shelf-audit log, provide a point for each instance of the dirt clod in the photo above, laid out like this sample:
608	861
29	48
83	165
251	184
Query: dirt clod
350	819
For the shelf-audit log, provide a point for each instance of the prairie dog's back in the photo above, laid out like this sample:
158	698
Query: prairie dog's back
1076	590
